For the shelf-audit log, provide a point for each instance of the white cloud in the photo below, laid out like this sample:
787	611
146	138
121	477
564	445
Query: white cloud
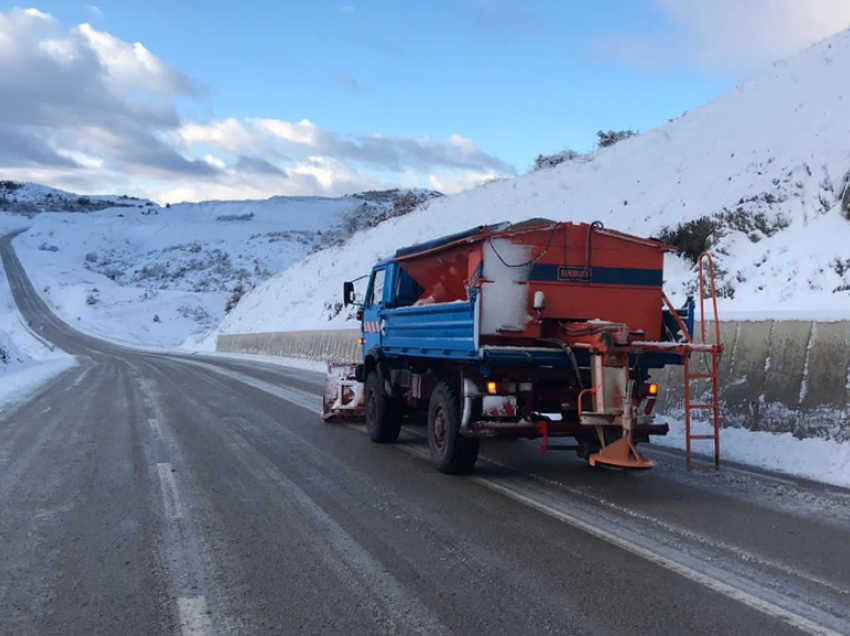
67	91
316	175
94	10
304	132
335	176
454	182
215	162
227	134
84	110
274	138
81	158
731	35
131	66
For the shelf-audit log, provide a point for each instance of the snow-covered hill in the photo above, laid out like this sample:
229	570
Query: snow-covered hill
33	198
130	270
760	176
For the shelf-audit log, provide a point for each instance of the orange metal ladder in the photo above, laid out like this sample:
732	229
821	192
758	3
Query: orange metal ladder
714	350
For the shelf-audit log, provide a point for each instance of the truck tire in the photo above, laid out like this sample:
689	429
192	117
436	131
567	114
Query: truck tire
383	412
451	453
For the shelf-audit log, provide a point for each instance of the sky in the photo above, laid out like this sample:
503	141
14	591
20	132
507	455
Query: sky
199	99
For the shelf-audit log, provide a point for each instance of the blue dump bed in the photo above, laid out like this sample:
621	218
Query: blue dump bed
444	331
447	331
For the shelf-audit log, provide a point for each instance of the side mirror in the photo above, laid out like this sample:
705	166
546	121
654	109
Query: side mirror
348	293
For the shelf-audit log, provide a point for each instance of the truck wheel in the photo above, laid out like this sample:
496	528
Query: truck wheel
383	412
451	453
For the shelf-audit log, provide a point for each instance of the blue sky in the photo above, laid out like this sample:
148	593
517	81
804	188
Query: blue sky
530	84
514	78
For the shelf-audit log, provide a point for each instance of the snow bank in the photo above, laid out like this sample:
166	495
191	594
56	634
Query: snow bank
26	362
764	167
818	459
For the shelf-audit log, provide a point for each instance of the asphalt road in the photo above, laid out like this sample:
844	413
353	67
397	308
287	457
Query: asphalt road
151	493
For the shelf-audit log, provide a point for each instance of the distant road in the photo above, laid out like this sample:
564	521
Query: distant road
146	493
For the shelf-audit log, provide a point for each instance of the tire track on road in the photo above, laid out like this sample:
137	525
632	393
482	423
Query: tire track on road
784	607
393	608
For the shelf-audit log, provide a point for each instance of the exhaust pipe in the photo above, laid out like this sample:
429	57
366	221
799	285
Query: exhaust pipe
470	392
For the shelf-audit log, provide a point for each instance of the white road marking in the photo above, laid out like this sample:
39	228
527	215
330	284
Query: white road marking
194	617
715	583
311	402
170	494
154	424
304	399
711	582
744	555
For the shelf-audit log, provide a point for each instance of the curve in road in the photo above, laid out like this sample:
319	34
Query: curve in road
155	493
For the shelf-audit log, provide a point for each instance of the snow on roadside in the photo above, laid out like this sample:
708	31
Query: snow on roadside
20	382
812	458
26	362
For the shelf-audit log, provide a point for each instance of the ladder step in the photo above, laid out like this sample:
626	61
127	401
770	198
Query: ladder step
700	376
703	437
702	406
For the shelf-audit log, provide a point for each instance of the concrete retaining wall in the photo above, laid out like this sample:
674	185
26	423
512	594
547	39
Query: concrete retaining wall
790	376
338	345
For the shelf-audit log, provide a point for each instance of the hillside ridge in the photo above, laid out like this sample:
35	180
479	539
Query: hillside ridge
760	177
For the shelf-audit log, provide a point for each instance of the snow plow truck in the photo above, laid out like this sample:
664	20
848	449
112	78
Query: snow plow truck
535	330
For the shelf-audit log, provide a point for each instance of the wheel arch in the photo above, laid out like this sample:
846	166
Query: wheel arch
375	359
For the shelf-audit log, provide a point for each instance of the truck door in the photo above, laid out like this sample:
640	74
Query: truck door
373	309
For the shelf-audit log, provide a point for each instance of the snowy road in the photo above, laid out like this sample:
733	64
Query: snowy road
150	493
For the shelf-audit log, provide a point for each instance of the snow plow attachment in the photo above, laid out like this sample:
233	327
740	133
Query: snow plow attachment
343	394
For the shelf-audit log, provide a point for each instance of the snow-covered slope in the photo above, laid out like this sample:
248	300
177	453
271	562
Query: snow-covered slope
140	273
25	360
33	198
762	173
